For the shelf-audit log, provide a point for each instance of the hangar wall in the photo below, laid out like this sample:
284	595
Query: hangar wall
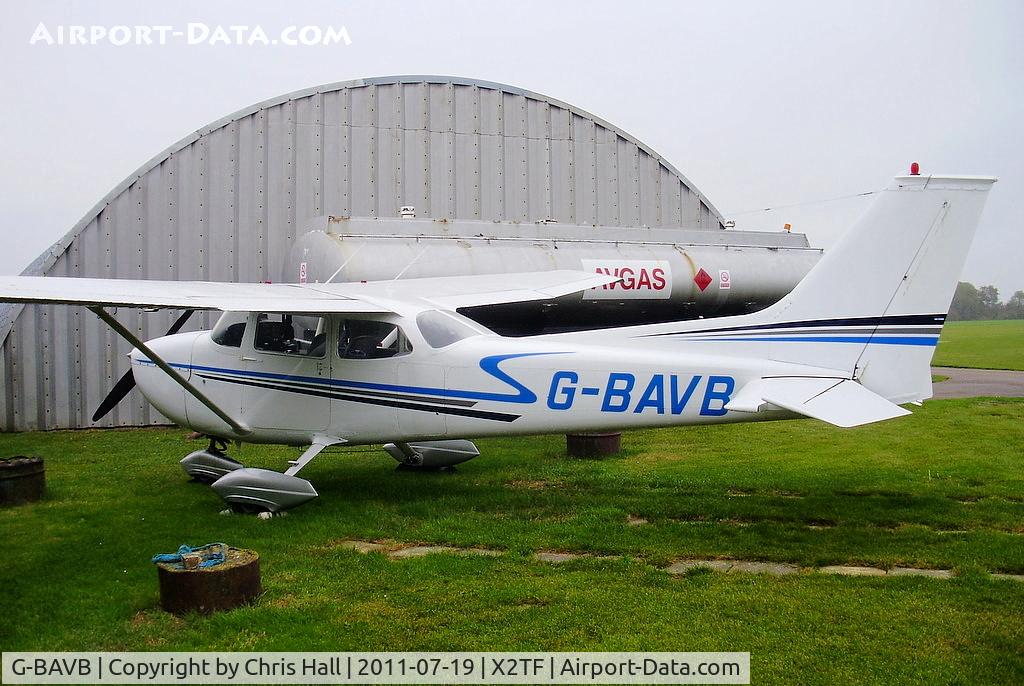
225	203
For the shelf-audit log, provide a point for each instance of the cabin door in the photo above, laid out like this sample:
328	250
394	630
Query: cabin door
287	373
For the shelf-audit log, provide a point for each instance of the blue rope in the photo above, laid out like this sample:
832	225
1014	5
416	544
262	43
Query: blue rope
213	558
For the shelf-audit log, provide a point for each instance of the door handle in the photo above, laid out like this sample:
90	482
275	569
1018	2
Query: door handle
245	358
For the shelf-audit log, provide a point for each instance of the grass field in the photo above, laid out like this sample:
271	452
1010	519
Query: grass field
943	488
984	345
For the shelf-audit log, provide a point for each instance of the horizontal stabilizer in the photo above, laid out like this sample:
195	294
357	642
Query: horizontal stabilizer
841	402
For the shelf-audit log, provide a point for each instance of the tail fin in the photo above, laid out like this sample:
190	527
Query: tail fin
885	287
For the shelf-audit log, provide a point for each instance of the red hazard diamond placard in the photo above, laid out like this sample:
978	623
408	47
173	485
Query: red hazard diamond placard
703	279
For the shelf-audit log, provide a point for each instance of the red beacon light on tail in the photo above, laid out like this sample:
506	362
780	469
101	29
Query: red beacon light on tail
915	169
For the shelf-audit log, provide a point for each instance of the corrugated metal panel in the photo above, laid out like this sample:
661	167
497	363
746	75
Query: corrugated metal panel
6	389
226	202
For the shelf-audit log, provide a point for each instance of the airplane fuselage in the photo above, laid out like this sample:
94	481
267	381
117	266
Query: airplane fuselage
481	385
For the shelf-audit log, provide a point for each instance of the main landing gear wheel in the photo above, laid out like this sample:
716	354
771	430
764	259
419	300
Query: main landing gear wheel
431	455
250	489
254	490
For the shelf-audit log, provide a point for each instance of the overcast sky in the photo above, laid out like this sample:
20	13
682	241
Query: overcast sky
760	104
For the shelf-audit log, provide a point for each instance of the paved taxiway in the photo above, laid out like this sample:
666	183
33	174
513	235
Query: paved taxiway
972	383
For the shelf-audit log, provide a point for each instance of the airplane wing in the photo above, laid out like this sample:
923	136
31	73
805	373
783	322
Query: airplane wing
842	402
453	292
373	297
189	295
448	292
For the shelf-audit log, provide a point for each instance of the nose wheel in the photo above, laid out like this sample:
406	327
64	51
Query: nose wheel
209	465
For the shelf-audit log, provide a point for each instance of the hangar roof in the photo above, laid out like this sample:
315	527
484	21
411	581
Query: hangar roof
42	264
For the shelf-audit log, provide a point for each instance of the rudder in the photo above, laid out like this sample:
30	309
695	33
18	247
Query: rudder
889	282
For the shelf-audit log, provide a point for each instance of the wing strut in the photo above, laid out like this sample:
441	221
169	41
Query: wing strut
124	333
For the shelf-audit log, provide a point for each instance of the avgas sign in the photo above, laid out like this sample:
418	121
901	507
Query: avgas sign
641	279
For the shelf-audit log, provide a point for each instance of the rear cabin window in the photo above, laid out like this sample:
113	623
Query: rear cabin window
230	329
369	339
291	334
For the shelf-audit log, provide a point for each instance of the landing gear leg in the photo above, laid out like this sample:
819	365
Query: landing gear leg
206	466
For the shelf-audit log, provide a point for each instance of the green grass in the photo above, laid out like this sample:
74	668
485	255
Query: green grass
943	488
983	345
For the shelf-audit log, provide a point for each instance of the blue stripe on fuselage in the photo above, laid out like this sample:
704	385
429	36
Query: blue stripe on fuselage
488	364
882	340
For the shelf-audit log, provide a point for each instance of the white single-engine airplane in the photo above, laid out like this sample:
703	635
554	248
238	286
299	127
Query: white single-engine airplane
359	363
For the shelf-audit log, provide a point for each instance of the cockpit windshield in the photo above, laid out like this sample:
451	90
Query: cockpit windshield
230	329
440	330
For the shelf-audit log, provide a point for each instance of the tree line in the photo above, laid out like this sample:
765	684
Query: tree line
971	303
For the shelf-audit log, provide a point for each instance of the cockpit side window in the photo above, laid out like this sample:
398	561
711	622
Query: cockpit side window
291	334
370	339
230	329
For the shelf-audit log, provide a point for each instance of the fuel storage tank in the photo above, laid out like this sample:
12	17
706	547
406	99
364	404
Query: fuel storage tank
667	274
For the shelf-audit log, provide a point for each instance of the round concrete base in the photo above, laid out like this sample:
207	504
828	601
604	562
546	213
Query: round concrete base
22	480
234	582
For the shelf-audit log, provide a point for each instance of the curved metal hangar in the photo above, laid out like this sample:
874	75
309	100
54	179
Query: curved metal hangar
242	198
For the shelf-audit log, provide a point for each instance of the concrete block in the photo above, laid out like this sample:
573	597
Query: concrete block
556	557
931	573
485	552
361	546
684	566
852	571
773	568
421	551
